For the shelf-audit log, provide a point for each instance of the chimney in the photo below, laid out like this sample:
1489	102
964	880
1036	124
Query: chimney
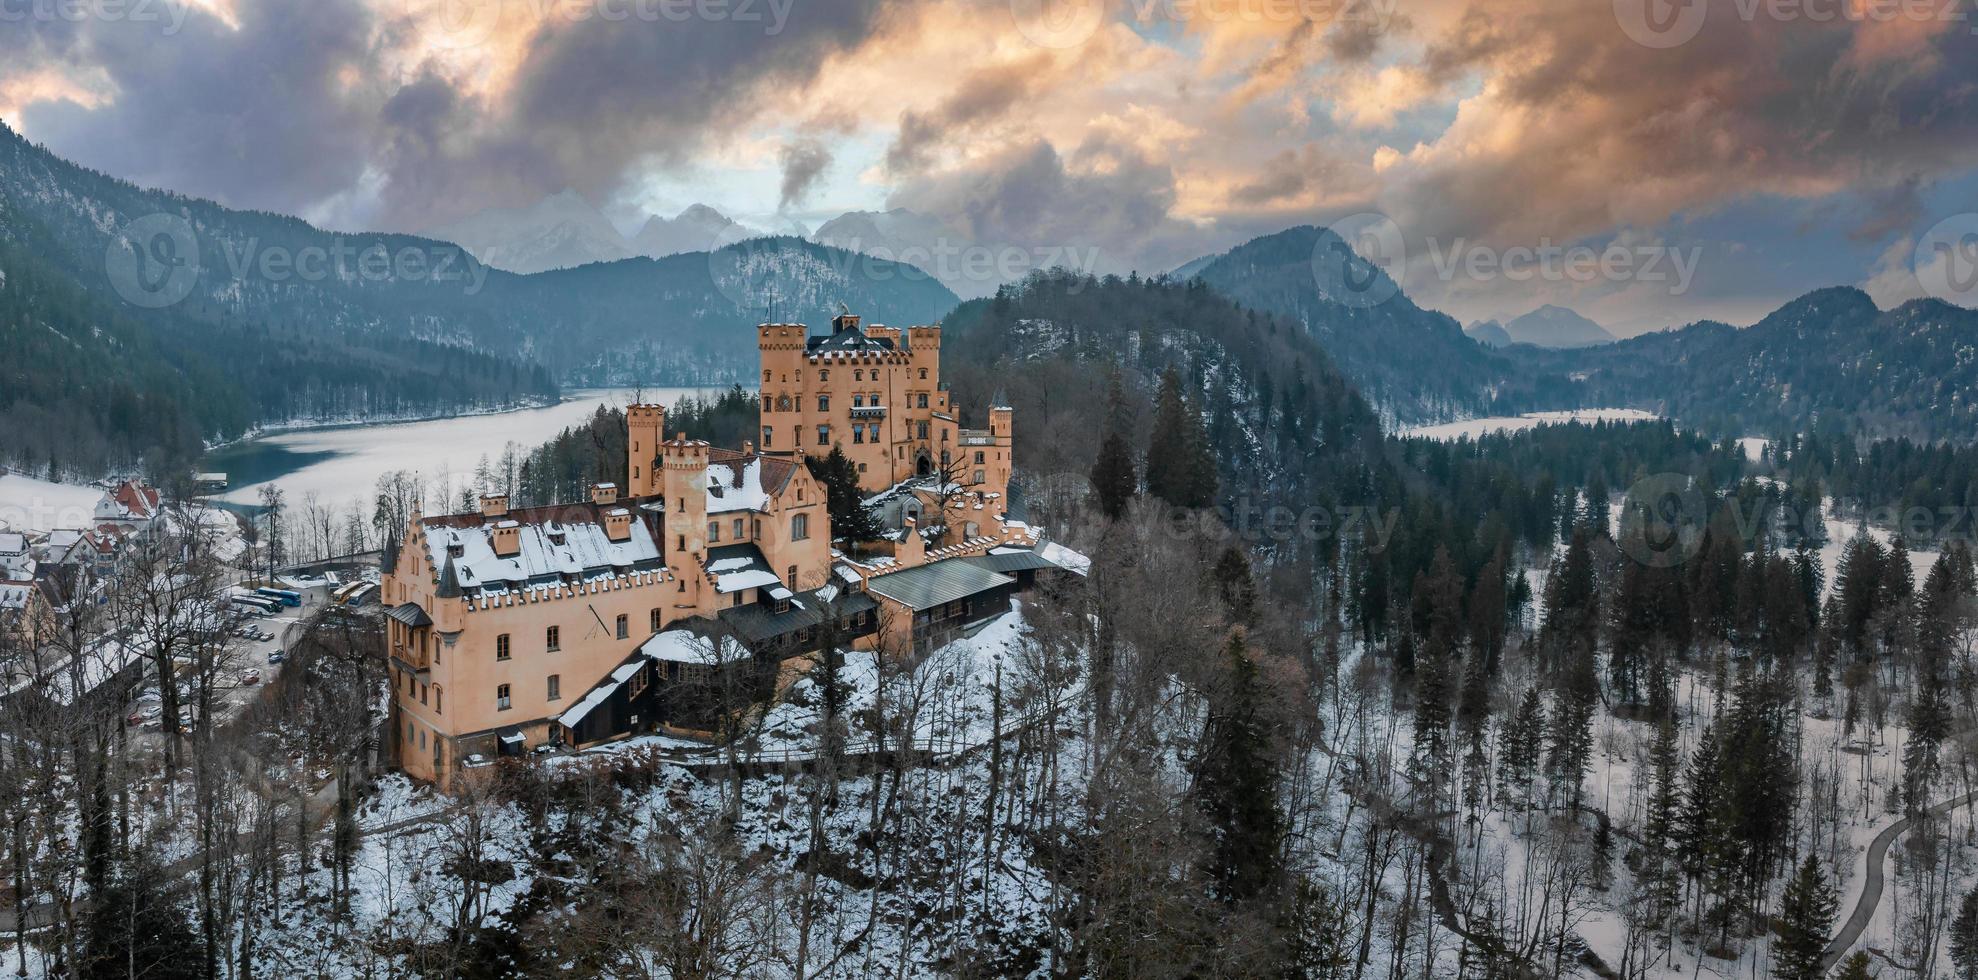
748	448
843	322
604	494
507	539
494	505
912	551
618	524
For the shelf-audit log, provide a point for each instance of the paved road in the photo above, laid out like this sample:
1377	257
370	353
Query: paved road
1871	885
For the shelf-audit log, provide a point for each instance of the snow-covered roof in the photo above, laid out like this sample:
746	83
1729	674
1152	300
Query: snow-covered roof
14	595
1065	558
738	567
729	490
549	551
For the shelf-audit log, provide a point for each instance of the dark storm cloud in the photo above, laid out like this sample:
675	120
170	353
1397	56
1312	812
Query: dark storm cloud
804	162
1621	132
297	107
1028	197
984	95
257	117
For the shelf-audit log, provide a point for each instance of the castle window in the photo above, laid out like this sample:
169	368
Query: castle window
872	432
439	700
858	435
713	532
501	647
655	620
824	435
766	436
624	626
858	375
738	529
768	403
923	399
800	527
765	376
502	703
923	374
824	403
823	374
978	457
858	401
923	428
555	686
553	638
638	687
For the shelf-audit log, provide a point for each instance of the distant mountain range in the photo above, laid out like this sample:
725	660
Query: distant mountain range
1547	326
1829	359
208	321
1415	365
564	231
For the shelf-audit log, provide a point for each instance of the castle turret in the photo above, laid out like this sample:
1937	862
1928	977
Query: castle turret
683	482
644	425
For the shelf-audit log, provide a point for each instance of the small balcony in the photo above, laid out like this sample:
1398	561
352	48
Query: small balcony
410	658
868	411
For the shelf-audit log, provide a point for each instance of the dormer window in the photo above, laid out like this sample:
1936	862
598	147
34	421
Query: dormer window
556	538
456	551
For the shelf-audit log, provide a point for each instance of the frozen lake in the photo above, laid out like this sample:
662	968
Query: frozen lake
343	464
1475	428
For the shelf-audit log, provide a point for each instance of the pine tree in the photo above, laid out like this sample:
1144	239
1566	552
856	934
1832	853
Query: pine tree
1233	584
1806	913
843	500
1855	967
1964	937
1517	761
1114	481
1236	786
1180	469
1664	810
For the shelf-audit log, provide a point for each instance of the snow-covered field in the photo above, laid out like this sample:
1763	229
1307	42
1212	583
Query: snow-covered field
28	504
1473	428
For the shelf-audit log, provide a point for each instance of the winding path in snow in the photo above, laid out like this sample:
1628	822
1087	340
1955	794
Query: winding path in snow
1871	884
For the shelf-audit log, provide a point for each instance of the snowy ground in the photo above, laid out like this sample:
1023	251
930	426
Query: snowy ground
1472	428
27	504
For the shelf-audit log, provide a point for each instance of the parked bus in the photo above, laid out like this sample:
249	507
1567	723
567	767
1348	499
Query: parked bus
364	593
342	595
256	603
286	597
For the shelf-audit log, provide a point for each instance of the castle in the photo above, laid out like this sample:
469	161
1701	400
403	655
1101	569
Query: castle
525	630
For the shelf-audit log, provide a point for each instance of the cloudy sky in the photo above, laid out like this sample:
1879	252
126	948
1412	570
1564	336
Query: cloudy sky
1769	146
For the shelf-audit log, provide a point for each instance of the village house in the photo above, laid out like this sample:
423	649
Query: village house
520	630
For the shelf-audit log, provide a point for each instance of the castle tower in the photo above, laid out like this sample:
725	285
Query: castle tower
683	482
644	425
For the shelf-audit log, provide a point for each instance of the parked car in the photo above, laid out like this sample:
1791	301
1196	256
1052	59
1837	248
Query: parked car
276	656
251	677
